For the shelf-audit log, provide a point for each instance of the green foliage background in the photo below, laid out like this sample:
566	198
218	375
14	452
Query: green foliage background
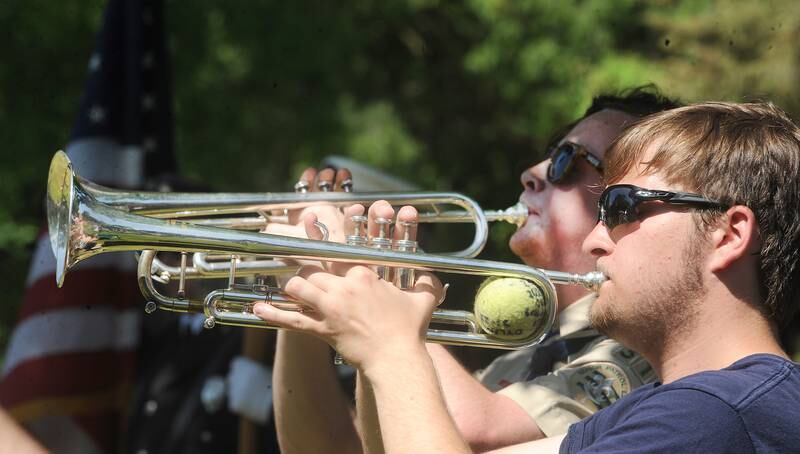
451	95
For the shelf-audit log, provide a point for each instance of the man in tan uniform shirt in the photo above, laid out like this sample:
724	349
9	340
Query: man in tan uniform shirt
571	375
595	376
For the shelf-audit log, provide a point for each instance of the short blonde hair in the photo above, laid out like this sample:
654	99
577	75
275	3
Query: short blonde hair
739	154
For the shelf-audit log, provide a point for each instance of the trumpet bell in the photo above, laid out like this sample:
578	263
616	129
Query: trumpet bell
60	196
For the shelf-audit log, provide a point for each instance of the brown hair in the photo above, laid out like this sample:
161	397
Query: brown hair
635	101
739	154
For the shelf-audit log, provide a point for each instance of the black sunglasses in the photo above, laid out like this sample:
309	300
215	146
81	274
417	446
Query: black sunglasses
619	203
562	160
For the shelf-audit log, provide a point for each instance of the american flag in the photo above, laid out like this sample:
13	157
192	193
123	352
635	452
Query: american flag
68	369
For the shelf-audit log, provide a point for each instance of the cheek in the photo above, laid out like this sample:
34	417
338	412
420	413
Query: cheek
644	261
569	225
571	222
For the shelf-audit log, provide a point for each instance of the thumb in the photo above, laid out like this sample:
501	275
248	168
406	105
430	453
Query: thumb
428	290
310	223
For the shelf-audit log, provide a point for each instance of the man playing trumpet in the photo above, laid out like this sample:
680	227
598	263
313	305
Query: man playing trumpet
698	234
312	414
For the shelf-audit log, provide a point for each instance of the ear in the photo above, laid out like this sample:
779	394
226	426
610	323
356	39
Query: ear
735	236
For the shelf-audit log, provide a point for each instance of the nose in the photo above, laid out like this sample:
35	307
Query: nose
598	243
534	177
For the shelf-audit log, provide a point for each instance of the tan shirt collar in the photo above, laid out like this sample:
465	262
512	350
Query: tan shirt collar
575	317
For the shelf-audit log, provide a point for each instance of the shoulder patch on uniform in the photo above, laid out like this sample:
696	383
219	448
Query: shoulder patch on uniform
644	372
598	385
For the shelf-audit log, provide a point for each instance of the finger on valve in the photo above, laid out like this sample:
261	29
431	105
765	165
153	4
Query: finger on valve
344	180
379	210
355	234
306	179
324	181
405	240
355	225
379	227
303	185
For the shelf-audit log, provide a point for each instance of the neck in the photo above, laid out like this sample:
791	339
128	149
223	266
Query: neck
724	331
568	294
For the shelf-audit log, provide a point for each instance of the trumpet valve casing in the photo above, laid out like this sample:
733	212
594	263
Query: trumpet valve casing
404	277
384	242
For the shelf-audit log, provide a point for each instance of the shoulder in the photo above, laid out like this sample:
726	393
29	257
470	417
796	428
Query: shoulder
663	419
509	368
746	381
604	354
739	408
597	376
600	374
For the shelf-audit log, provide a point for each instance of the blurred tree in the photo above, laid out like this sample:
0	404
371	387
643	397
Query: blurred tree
44	53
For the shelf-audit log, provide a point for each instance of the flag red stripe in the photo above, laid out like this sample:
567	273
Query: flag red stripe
82	289
66	374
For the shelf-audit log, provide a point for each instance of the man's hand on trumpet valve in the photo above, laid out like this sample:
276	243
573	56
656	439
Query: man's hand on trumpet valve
362	316
352	307
304	223
325	180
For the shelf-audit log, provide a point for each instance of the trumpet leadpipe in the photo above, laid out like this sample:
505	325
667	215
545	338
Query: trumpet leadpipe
516	215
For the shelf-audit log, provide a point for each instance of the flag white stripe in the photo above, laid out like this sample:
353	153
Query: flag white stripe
72	331
105	160
43	262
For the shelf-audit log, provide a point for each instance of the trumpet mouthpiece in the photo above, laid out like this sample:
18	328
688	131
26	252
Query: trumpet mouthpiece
516	215
594	280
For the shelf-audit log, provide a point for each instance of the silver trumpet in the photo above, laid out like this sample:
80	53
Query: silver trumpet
253	211
85	219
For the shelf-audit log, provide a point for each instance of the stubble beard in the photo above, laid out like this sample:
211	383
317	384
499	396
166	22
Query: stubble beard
666	310
528	247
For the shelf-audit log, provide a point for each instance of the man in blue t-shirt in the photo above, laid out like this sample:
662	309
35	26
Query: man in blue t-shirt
698	235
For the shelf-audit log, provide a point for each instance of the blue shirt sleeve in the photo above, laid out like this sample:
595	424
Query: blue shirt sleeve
679	420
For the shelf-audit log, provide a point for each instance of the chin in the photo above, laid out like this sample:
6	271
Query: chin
528	253
525	242
603	315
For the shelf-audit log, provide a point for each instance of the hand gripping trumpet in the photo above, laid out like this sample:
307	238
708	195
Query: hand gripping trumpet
86	220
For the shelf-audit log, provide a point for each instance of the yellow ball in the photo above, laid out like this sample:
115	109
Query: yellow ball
510	308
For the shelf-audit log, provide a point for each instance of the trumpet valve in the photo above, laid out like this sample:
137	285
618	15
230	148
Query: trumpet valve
358	237
404	277
301	186
383	241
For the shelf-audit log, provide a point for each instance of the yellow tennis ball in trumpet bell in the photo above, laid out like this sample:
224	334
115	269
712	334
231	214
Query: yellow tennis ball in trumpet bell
510	308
